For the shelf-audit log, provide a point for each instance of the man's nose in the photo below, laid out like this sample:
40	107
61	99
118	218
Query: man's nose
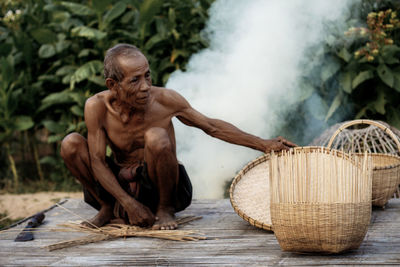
144	86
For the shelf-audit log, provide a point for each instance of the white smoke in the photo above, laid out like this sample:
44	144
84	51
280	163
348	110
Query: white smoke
247	76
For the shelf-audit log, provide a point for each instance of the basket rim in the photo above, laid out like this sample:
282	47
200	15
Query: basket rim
238	177
261	159
383	155
378	124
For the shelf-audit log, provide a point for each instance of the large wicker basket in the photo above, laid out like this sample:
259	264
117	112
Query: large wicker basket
321	199
250	193
386	171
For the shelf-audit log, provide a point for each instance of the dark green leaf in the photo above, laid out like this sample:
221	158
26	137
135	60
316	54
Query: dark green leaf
171	16
380	102
148	9
59	16
78	9
100	5
5	49
78	111
334	106
54	138
389	54
79	98
71	128
89	33
54	127
23	123
68	69
396	76
361	113
114	12
176	53
67	78
87	70
47	50
44	36
86	52
386	75
306	90
361	77
48	77
6	72
329	70
55	99
48	160
128	17
345	81
62	45
394	117
153	41
344	54
99	80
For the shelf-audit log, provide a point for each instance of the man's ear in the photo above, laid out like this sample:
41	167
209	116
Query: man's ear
111	84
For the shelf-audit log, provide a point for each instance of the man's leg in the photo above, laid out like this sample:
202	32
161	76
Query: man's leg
162	167
75	152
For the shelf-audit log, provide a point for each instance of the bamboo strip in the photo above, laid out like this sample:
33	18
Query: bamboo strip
113	231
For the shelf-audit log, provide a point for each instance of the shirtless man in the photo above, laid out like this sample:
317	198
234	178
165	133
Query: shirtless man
144	184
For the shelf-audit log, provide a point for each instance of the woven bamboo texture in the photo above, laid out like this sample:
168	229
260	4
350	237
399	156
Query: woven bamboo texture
250	192
386	172
371	139
321	200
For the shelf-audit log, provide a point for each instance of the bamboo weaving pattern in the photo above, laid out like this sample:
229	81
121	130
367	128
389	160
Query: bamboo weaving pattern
320	199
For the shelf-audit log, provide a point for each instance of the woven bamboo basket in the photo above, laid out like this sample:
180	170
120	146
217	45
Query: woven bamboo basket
386	171
321	200
250	193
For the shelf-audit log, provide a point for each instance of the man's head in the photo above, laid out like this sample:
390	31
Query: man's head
112	67
127	75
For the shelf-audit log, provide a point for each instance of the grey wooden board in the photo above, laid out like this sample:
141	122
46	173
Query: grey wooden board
232	241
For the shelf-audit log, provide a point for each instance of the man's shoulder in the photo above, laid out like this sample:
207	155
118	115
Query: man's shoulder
162	91
98	99
97	102
167	96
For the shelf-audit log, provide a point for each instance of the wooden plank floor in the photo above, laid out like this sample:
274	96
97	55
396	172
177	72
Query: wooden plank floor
232	241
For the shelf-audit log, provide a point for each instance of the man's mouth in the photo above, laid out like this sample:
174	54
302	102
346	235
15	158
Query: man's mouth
142	100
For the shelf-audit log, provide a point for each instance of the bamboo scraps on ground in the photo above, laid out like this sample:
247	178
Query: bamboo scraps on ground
113	231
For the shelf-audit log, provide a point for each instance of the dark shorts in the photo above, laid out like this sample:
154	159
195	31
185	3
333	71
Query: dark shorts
148	192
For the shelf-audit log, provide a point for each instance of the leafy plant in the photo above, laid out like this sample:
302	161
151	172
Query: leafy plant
51	61
355	74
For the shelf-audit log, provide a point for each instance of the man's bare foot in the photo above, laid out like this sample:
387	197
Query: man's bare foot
104	215
165	220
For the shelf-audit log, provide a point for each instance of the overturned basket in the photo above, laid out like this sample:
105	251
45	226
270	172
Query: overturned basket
386	171
249	193
321	200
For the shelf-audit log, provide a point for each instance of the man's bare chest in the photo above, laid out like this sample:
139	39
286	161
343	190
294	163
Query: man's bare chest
129	136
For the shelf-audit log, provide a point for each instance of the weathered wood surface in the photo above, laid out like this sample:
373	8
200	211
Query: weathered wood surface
232	241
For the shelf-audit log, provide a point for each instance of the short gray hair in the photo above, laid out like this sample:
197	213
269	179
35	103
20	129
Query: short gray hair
111	66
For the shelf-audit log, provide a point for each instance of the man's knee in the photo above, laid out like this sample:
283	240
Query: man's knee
72	145
157	140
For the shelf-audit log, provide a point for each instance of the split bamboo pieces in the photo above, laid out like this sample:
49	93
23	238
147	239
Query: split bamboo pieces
321	175
320	199
113	231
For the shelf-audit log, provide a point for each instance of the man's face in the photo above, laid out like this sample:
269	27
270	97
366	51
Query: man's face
134	88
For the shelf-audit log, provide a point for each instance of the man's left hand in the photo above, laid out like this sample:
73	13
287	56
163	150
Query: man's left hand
278	144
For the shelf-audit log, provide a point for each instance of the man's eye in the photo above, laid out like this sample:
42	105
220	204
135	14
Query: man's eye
148	75
134	80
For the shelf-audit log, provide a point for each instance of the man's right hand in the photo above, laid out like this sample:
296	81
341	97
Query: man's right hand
139	214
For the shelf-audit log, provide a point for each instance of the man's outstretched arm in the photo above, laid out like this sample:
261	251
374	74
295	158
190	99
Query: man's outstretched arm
226	131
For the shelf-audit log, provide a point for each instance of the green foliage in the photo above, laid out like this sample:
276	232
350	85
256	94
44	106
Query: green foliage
355	74
51	56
